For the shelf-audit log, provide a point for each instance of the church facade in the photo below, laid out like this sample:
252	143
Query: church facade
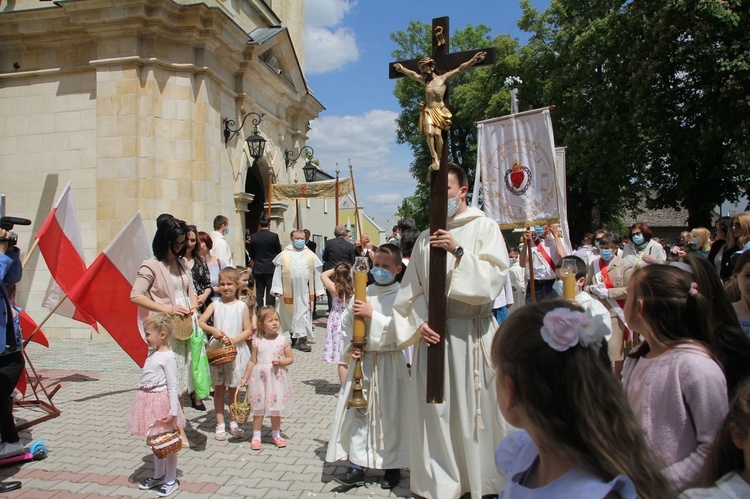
127	100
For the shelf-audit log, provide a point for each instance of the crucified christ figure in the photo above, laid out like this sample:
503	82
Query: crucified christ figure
435	116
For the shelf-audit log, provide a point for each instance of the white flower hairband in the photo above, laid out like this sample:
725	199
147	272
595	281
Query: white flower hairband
565	328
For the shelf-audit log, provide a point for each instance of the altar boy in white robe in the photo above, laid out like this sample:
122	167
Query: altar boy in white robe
376	438
296	280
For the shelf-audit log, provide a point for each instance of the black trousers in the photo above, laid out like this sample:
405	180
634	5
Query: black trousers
263	289
11	367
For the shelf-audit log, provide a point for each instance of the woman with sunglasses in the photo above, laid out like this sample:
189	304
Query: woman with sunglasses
737	237
164	284
643	249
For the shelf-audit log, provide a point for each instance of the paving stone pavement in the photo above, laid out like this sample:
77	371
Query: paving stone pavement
91	453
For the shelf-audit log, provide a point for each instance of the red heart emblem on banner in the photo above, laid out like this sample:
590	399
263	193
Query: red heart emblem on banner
517	178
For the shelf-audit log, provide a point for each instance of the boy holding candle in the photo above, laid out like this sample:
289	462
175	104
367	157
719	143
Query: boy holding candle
582	298
374	437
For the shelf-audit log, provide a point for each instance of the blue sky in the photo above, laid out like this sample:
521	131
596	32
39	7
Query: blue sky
347	51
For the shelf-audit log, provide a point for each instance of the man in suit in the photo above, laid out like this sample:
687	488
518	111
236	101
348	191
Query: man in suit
337	250
311	245
264	247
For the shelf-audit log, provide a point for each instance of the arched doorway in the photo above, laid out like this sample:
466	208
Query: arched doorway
254	185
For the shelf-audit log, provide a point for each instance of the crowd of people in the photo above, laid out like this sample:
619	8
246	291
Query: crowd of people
634	385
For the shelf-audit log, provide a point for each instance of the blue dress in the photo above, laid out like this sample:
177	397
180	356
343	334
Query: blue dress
517	453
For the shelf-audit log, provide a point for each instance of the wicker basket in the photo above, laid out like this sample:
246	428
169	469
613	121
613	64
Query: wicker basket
164	444
240	411
183	327
218	356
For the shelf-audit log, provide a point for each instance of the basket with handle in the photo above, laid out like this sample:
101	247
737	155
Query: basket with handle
222	355
183	327
164	444
240	410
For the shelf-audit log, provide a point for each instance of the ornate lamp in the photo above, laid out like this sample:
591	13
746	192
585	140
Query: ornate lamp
256	144
310	171
289	160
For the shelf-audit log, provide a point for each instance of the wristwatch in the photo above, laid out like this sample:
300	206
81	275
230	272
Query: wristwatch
458	252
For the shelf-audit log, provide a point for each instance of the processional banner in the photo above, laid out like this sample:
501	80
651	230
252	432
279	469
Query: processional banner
312	190
517	169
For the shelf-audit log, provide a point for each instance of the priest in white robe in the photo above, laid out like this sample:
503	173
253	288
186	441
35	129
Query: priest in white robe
452	443
376	438
296	281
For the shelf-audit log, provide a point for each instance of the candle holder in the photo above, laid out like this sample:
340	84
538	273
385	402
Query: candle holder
359	333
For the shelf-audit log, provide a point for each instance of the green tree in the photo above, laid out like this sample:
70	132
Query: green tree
689	73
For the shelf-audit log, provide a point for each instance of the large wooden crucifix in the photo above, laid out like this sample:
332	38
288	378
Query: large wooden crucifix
434	122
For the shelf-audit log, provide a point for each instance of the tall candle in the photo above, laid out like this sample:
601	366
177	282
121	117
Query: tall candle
569	286
360	293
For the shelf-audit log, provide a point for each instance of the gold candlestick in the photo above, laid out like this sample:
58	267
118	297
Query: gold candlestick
359	333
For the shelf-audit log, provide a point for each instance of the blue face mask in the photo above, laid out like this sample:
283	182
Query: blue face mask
452	207
382	276
596	243
226	231
538	231
299	243
558	287
607	254
638	239
695	241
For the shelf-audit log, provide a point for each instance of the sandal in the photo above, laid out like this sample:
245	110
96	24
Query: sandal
221	433
236	431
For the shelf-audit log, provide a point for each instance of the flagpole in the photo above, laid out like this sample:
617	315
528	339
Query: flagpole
356	204
39	326
337	194
29	253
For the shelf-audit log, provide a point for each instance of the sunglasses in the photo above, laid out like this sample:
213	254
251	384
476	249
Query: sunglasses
736	225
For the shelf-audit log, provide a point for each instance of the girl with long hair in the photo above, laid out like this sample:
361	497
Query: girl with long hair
579	438
673	382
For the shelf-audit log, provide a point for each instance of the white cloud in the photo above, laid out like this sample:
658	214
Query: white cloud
381	167
326	12
328	46
329	49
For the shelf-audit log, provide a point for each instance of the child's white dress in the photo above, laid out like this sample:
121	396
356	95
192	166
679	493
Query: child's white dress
270	386
228	318
334	344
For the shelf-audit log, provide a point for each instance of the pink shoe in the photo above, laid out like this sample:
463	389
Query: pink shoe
255	444
278	442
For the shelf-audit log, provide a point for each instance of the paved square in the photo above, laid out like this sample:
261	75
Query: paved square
91	453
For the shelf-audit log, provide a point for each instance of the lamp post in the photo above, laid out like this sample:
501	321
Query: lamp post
337	194
256	145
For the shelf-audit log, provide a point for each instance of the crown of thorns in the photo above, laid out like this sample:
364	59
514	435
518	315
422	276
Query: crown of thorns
425	62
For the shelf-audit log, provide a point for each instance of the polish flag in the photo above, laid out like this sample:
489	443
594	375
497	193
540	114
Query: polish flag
62	249
104	290
28	326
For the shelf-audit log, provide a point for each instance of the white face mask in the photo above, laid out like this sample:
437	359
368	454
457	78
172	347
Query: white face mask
453	206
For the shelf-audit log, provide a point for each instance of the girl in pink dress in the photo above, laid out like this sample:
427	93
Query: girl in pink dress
338	282
156	401
270	387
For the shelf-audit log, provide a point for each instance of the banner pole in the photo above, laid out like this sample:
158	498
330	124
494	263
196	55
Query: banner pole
29	253
44	321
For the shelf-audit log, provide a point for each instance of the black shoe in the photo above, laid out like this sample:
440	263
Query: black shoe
302	345
196	404
390	479
8	486
352	478
294	341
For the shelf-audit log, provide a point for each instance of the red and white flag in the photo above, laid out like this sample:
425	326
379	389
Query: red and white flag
62	249
28	326
104	290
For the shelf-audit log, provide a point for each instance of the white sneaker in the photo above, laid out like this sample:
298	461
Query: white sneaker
167	489
8	449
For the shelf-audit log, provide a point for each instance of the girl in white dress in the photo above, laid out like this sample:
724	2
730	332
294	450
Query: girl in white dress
231	325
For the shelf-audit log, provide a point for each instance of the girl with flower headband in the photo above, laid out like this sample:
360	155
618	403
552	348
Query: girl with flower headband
579	437
673	383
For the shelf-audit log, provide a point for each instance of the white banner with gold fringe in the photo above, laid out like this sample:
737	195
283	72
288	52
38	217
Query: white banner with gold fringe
517	169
